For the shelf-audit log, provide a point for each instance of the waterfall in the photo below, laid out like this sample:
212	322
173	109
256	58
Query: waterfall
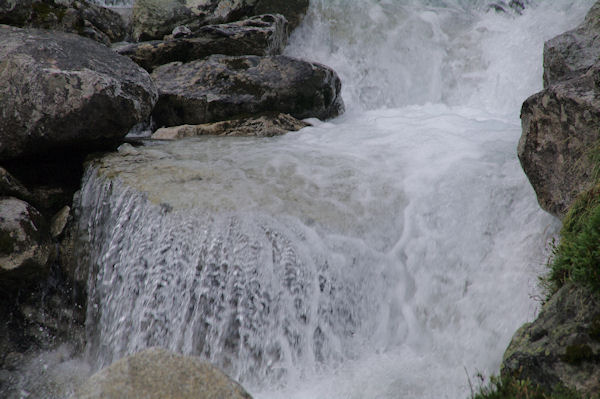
381	254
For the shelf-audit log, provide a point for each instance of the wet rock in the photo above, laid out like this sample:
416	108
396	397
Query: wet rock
260	126
24	243
515	6
61	91
12	187
572	53
562	346
559	145
223	87
260	35
158	374
75	16
292	10
153	19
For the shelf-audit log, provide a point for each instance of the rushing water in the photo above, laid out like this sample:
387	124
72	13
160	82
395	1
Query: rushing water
389	253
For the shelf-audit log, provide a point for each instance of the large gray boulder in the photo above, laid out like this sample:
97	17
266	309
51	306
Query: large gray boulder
260	35
158	374
75	16
559	146
223	87
24	243
153	19
572	53
562	346
59	90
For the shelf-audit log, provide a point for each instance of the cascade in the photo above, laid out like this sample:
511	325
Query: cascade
391	252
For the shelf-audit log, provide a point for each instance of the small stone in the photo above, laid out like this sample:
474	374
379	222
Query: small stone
59	221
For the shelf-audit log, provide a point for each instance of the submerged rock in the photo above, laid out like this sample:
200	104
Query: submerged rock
562	346
75	16
158	374
560	146
223	87
260	35
24	243
61	91
260	126
574	52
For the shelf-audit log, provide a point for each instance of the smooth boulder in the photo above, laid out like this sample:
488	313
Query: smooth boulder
572	53
60	91
562	346
260	35
24	243
559	145
158	374
223	87
259	126
74	16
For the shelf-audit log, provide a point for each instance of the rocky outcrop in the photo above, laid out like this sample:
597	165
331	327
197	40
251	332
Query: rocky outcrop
153	19
559	146
24	243
561	347
222	87
158	374
74	16
60	91
260	35
572	53
259	126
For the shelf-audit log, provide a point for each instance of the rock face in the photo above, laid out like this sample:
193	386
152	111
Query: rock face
153	19
24	242
559	145
158	374
574	52
75	16
562	346
261	126
260	35
59	90
222	87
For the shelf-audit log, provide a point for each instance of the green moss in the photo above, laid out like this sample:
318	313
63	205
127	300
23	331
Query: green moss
42	11
577	354
7	243
594	330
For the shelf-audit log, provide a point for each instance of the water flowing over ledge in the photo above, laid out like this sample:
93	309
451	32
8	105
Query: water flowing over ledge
377	255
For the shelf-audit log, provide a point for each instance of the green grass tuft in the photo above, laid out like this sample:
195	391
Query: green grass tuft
512	388
577	258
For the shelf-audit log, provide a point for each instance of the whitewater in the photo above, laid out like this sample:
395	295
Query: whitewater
388	253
